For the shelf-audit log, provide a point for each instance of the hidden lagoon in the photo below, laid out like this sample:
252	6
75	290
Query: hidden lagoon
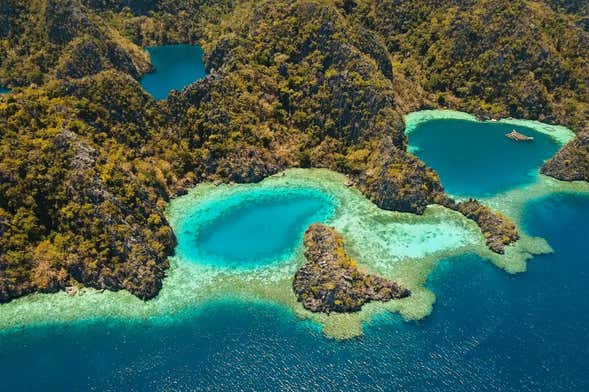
239	245
174	67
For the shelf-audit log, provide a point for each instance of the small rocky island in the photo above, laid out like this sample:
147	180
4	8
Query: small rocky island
518	137
572	162
330	280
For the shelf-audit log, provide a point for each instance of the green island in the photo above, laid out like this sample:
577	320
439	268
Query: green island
97	175
363	195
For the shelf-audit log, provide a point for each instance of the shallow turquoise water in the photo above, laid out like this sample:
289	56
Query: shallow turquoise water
488	331
4	90
476	159
176	66
251	228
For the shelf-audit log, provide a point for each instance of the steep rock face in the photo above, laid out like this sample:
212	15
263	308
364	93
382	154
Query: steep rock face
64	19
64	39
303	92
138	257
396	180
330	281
463	55
572	162
310	91
292	84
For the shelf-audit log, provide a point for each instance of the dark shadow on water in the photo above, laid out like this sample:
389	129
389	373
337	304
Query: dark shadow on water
176	66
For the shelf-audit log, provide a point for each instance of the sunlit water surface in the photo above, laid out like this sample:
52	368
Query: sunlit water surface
489	330
476	159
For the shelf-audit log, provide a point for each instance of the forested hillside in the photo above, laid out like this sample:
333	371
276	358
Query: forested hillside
89	160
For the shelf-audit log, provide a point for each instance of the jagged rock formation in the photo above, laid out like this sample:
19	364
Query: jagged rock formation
341	116
464	56
498	229
398	181
75	208
330	280
572	162
61	38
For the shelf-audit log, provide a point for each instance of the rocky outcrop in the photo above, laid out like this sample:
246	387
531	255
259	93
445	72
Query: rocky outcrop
498	229
88	164
572	162
396	180
456	51
63	39
83	209
330	281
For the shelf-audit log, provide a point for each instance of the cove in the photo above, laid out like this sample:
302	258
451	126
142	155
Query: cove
488	331
175	67
251	228
474	158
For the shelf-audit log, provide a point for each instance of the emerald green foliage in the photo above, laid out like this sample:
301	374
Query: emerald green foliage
46	38
88	159
75	205
496	58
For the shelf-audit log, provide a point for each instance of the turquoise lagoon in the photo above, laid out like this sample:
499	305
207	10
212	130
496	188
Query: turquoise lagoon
4	90
250	229
227	319
474	158
175	67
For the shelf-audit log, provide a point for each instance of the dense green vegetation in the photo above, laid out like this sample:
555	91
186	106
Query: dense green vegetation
43	39
330	280
76	202
495	58
89	160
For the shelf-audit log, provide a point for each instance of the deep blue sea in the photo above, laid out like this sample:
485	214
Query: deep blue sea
176	66
476	159
489	331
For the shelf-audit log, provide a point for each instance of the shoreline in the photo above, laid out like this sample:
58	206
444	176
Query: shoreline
560	134
401	246
370	235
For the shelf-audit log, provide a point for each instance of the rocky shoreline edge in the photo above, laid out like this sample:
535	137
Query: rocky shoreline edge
330	281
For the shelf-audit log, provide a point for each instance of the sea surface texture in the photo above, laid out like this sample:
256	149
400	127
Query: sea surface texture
226	318
476	158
